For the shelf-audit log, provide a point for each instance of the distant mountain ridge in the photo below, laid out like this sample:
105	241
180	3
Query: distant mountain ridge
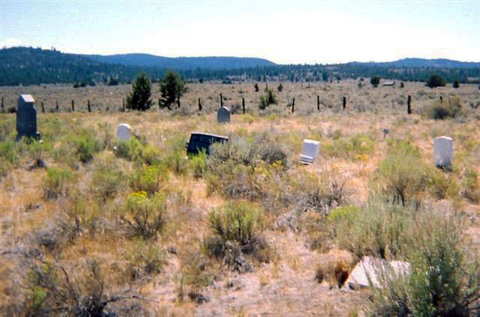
422	63
182	63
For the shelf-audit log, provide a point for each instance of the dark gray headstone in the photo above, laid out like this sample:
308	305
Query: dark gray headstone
223	115
202	141
27	118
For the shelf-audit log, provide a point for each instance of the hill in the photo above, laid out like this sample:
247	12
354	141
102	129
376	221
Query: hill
424	63
182	63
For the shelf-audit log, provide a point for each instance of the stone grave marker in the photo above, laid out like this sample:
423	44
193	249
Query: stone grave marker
223	115
27	118
443	152
369	270
202	141
124	132
310	151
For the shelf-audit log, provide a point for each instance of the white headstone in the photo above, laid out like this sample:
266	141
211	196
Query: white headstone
443	151
223	115
369	270
124	131
310	151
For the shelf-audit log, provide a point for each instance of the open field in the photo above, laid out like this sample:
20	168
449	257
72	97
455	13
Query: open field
145	221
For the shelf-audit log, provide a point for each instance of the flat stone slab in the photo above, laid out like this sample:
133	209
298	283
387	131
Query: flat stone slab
373	268
310	151
124	132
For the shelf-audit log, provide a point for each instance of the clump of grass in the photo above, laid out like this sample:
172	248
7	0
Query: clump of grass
57	181
136	151
448	108
470	186
198	164
144	259
145	216
107	178
236	230
149	179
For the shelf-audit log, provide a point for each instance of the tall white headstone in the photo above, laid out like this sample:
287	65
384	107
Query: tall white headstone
124	131
443	152
310	151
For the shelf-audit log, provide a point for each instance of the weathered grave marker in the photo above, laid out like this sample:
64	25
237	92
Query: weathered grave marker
202	141
27	118
223	115
369	270
124	132
443	152
310	151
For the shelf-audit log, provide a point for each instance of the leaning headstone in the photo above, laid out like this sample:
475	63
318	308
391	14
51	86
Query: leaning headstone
369	272
124	132
27	118
443	152
223	115
310	151
201	142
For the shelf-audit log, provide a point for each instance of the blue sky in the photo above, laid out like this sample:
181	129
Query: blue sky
295	31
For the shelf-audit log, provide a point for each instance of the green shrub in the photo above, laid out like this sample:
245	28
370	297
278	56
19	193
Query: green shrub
375	81
106	179
376	229
145	216
149	179
268	99
470	186
198	164
402	173
144	259
239	222
57	182
86	145
450	108
444	279
176	160
8	152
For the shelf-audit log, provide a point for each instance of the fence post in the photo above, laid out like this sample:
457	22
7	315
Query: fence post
344	106
73	106
199	105
293	105
43	108
88	106
318	102
3	105
221	101
409	104
243	105
56	106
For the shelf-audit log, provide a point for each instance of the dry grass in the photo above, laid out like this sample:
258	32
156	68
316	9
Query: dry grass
286	284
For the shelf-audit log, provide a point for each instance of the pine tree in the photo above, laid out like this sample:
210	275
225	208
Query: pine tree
456	84
139	98
172	88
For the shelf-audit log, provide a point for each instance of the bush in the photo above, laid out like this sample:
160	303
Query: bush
86	145
56	182
375	81
106	179
145	216
280	87
267	99
144	259
402	174
436	80
237	229
376	229
444	281
198	164
449	108
140	97
134	150
456	84
149	179
8	152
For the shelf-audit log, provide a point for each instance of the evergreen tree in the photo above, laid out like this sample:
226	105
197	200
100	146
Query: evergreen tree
172	88
375	81
139	98
436	80
456	84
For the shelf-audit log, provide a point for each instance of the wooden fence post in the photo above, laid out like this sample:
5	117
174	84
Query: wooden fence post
88	106
221	101
243	105
318	102
409	104
199	105
3	105
56	106
344	106
293	105
43	108
73	106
